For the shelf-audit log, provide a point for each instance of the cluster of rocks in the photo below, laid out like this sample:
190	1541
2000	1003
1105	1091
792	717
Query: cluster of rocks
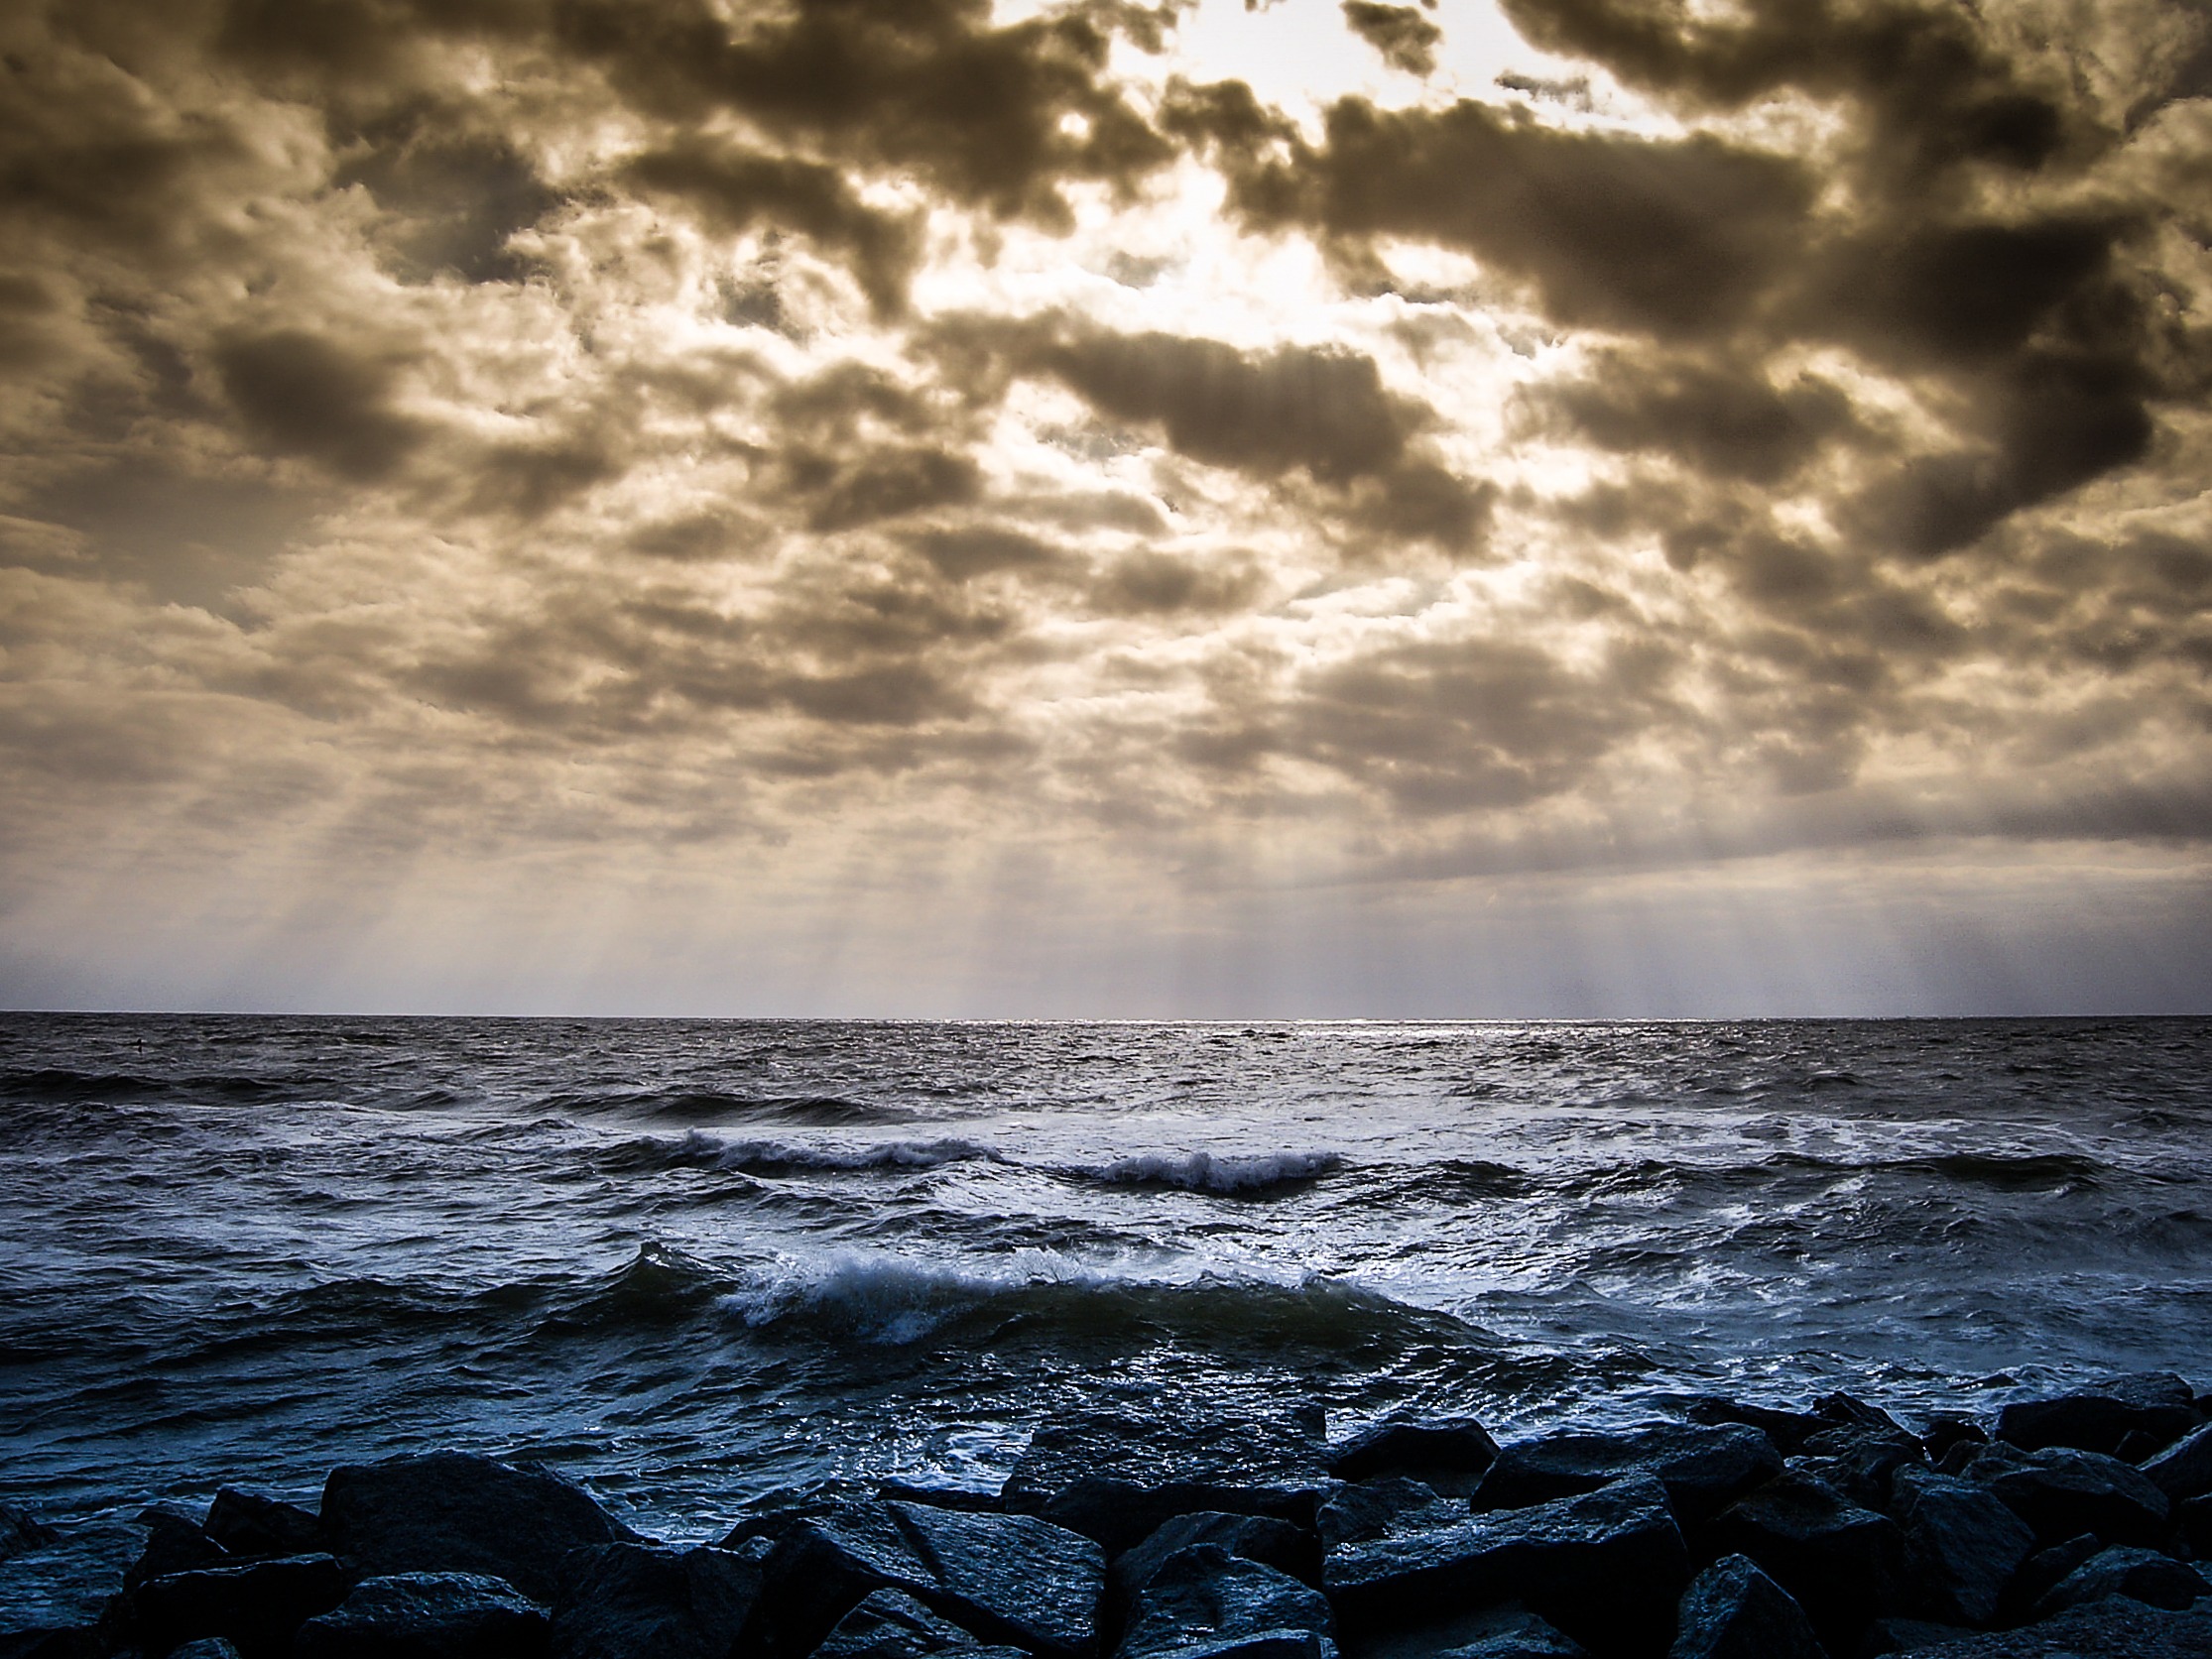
2068	1526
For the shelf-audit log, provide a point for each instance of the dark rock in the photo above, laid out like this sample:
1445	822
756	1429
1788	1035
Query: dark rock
457	1512
258	1605
1449	1455
1371	1508
1273	1543
652	1602
1204	1599
1426	1568
2192	1527
1789	1430
1908	1635
1704	1468
2185	1469
1848	1411
1506	1632
208	1647
2115	1628
2125	1570
427	1615
20	1530
53	1593
891	1624
245	1523
1116	1479
1968	1543
1844	1564
1733	1610
1860	1461
2043	1570
2156	1404
2061	1492
173	1544
770	1528
1944	1432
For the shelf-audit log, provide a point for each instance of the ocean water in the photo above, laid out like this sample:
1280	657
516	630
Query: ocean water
709	1265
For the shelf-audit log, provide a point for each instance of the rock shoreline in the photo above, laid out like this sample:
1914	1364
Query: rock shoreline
2075	1525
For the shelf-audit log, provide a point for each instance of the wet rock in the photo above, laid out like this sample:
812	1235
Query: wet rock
1968	1543
427	1615
2061	1492
1273	1543
2043	1570
245	1523
1204	1599
1449	1455
652	1602
2126	1570
1429	1569
2192	1527
1733	1610
1508	1632
2156	1404
258	1605
2115	1628
1789	1430
1845	1565
173	1544
1861	1462
53	1592
891	1624
1908	1635
457	1512
2185	1469
1944	1432
1116	1479
208	1647
943	1498
1703	1469
1373	1507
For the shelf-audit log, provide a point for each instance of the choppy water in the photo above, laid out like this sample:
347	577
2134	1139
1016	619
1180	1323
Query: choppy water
700	1263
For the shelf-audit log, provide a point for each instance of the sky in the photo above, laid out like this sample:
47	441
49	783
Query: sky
1568	507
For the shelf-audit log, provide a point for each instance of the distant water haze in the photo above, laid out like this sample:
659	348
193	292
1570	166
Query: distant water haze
705	1264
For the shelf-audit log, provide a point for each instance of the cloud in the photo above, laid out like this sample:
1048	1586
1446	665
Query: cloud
1406	40
299	394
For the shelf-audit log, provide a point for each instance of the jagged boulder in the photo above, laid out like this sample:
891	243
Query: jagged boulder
246	1523
457	1513
1506	1631
2043	1570
173	1544
1704	1468
208	1647
1206	1599
426	1615
2184	1470
891	1624
1449	1455
1789	1430
1373	1507
1733	1610
2115	1628
2156	1405
1262	1538
57	1582
1430	1568
2062	1492
1844	1564
1968	1543
2125	1570
259	1605
652	1602
1116	1479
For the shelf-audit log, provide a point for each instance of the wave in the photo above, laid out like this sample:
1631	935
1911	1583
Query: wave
1248	1176
719	1105
699	1151
58	1086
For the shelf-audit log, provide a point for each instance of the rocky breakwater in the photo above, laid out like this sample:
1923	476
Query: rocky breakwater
2072	1525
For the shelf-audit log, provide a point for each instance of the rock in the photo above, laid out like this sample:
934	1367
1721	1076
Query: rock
1844	1564
245	1523
1116	1479
1733	1610
1703	1469
173	1544
2192	1526
1373	1507
1447	1455
1273	1543
21	1530
53	1593
891	1624
2156	1404
652	1602
1944	1432
2125	1570
426	1615
2061	1492
208	1647
258	1605
2185	1469
1789	1430
1203	1599
457	1512
1860	1462
2043	1570
1427	1569
1906	1635
1968	1543
2115	1628
945	1497
1511	1631
1849	1411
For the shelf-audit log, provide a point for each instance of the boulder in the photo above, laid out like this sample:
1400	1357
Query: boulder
1273	1543
652	1602
173	1544
457	1512
2062	1492
1116	1479
2125	1570
1944	1432
1508	1632
245	1523
55	1589
1860	1462
1450	1455
1789	1430
1967	1543
891	1624
1844	1564
1908	1635
1704	1468
1373	1507
258	1605
1733	1610
945	1497
2114	1628
2043	1570
2192	1526
427	1615
208	1647
2184	1470
1203	1597
2154	1404
1429	1568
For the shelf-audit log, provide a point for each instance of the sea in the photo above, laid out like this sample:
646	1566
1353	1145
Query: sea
711	1266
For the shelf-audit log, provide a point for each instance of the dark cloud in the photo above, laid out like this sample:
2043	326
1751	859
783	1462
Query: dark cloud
299	394
454	200
1148	582
1723	419
1406	40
